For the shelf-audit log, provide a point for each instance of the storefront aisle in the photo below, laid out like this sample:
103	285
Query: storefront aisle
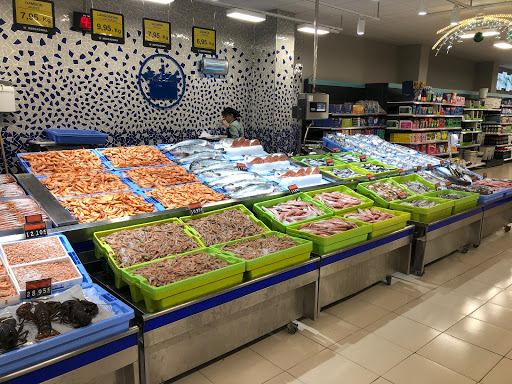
453	325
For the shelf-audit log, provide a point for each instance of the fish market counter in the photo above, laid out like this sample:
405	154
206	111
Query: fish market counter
343	273
110	361
435	240
497	215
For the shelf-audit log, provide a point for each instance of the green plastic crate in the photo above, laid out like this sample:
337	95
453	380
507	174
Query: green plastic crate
413	177
270	220
362	172
468	202
379	201
102	249
391	169
160	298
338	154
425	215
325	245
300	158
238	206
386	226
266	264
366	202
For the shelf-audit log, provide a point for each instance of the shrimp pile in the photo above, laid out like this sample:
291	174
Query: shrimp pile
225	226
387	191
301	172
183	195
243	142
127	157
160	176
135	246
6	288
292	211
28	251
83	183
57	271
326	228
3	270
254	248
13	212
369	215
6	179
47	163
337	200
11	190
170	271
87	209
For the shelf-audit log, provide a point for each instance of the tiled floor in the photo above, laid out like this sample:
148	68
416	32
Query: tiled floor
453	325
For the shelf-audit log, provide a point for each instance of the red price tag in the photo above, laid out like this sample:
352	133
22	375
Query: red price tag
330	162
448	184
473	178
429	166
402	196
33	218
363	159
335	149
34	227
195	209
293	189
418	168
485	175
370	177
241	167
438	186
442	162
38	288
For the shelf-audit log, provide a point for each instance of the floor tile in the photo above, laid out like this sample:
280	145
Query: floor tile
497	275
381	380
494	314
453	300
385	297
244	366
500	374
444	270
475	256
284	378
459	356
482	334
371	351
409	288
327	329
402	331
285	350
418	370
328	367
193	378
502	259
467	285
430	314
504	299
357	312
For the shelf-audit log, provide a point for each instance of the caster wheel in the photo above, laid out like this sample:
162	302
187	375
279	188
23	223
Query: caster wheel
476	245
420	273
388	280
464	250
292	328
507	228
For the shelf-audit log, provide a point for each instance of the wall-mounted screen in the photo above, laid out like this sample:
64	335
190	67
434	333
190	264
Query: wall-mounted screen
504	82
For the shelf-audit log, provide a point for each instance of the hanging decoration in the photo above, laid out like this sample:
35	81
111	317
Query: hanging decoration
478	27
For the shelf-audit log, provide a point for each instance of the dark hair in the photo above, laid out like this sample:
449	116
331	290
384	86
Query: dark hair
231	111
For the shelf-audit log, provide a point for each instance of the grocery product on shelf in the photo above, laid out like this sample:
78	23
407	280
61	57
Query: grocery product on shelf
348	157
373	168
480	189
160	176
345	173
183	195
13	212
204	165
369	215
47	163
197	142
11	190
329	227
7	288
420	203
3	270
494	183
292	211
249	189
126	157
213	154
56	270
242	147
450	196
337	200
250	249
83	183
23	252
106	206
416	187
301	177
387	190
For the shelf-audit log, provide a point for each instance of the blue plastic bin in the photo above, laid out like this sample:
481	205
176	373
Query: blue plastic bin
331	144
48	349
76	136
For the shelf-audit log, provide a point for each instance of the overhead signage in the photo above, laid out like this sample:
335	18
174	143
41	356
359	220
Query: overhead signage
204	40
107	26
34	16
157	34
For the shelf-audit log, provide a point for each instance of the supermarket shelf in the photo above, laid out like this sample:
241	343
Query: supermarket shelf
463	132
499	145
426	129
424	142
508	114
483	109
357	114
509	159
446	154
497	134
425	103
341	128
472	121
407	115
491	122
469	146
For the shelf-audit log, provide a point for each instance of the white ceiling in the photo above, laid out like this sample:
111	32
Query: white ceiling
399	22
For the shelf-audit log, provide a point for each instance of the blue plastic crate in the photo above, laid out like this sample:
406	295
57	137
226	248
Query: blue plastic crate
331	144
484	199
24	357
74	257
76	136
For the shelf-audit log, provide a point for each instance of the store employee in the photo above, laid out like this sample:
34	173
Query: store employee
231	121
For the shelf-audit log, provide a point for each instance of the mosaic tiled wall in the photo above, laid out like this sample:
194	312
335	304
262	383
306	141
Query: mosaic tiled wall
70	81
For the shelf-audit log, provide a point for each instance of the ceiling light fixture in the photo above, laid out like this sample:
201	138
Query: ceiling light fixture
361	23
162	1
310	28
422	11
503	44
455	15
484	33
241	14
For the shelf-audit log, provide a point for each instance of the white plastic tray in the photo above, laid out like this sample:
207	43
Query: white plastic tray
4	256
11	300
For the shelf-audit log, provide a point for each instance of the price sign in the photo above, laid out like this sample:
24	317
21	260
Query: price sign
81	22
157	34
442	162
330	162
204	40
473	178
429	167
402	196
335	150
34	226
241	167
363	159
438	187
34	16
195	209
293	189
485	175
371	177
38	288
448	184
107	26
401	172
418	168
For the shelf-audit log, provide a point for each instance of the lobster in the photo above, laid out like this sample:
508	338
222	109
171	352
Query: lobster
42	316
78	312
10	337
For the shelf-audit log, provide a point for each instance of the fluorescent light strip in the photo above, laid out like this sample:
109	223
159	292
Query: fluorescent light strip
241	14
471	35
503	44
161	1
361	26
309	28
422	11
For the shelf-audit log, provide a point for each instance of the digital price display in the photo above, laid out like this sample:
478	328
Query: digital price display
81	22
34	16
204	40
107	26
157	34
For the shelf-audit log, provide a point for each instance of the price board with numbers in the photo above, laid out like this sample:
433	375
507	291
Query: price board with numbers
195	209
38	288
107	26
157	34
34	226
34	16
293	189
204	40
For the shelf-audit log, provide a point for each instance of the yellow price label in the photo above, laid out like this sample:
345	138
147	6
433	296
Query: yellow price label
108	24
157	31
35	13
204	38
